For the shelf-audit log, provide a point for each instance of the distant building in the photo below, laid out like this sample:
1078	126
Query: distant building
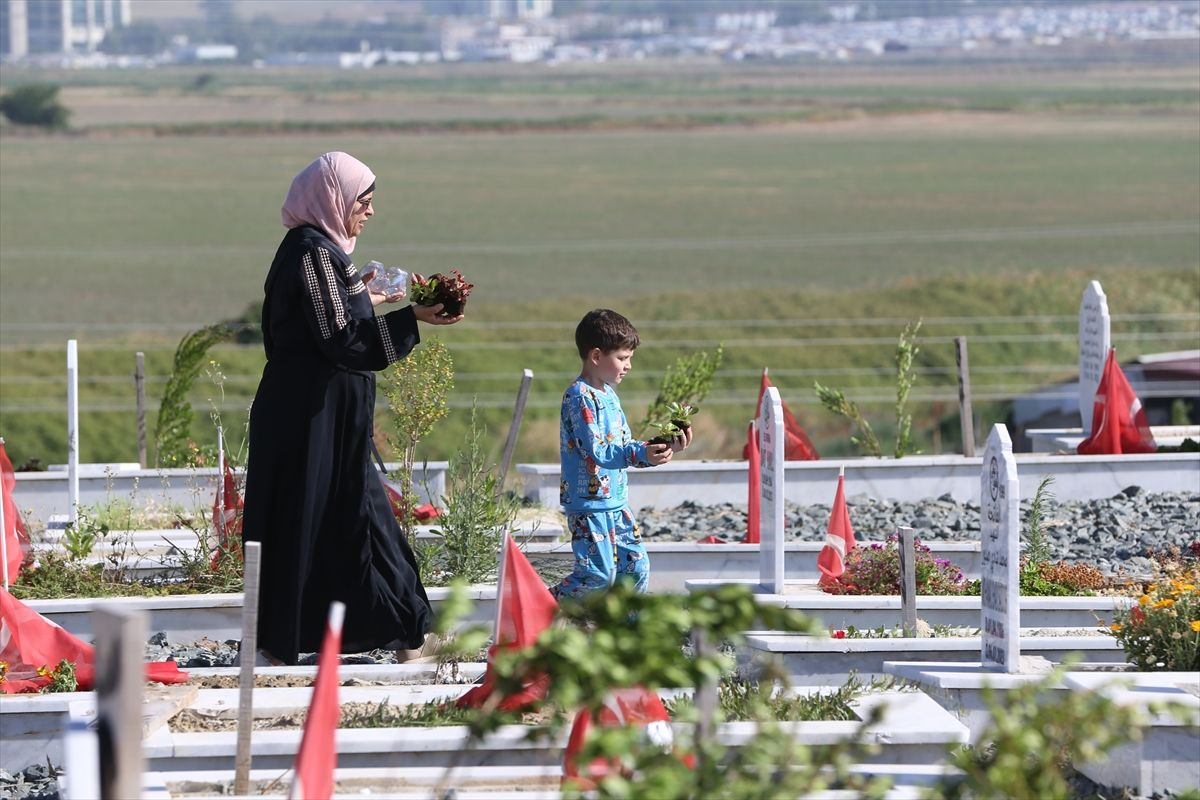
1159	380
491	9
30	27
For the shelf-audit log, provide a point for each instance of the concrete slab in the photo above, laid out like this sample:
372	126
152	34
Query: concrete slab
1167	759
821	660
906	479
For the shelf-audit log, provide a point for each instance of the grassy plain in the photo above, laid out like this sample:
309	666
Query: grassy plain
841	203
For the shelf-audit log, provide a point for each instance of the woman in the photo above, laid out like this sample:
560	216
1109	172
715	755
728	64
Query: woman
313	497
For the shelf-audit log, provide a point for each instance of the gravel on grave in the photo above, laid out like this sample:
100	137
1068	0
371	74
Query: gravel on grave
1112	533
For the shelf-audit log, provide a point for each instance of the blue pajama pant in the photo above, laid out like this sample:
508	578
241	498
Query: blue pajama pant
607	546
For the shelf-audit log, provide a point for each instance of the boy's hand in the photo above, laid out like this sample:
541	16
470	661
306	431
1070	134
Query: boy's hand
681	441
658	454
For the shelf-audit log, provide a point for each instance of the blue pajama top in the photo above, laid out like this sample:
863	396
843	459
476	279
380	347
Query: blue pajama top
595	448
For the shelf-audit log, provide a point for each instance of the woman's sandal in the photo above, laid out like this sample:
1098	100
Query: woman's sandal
263	658
427	653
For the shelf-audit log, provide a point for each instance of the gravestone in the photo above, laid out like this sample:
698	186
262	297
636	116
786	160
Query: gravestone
120	679
1094	340
771	483
999	572
908	581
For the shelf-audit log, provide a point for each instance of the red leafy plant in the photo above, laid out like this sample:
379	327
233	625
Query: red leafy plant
450	290
875	569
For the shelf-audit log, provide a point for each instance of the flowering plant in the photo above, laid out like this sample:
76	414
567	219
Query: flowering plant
1162	632
876	570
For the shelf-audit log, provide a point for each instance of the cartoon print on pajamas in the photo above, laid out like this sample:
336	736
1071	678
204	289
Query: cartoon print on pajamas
607	546
596	448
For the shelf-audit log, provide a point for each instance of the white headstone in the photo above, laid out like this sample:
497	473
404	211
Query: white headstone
999	572
1095	338
771	531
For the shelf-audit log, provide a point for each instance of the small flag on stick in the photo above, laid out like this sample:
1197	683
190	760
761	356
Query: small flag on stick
839	537
14	535
317	759
753	486
1118	420
31	648
525	608
797	446
635	706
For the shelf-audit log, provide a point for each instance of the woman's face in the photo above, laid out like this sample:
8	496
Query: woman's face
358	215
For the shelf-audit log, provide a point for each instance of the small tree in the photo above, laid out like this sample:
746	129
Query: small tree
836	401
171	431
416	388
477	513
35	104
687	382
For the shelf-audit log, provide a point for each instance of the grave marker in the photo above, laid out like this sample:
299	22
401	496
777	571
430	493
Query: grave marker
999	572
1094	340
247	654
120	674
908	582
139	388
771	483
514	428
965	414
73	430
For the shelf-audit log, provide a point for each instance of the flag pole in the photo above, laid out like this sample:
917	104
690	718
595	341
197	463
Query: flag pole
220	486
4	529
500	586
247	652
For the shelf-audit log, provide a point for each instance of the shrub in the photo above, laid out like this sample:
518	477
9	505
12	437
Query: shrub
417	388
1162	632
476	516
35	104
876	570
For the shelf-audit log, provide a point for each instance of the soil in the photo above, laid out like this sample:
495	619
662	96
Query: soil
192	721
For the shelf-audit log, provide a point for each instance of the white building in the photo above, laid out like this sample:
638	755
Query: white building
30	27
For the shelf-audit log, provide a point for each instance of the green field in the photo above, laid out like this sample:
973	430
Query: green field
830	207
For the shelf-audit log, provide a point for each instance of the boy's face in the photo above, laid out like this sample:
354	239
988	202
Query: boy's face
610	367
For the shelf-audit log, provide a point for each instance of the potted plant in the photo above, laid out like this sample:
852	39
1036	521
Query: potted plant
450	290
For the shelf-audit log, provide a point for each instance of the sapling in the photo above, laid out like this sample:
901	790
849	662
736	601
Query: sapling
687	382
450	290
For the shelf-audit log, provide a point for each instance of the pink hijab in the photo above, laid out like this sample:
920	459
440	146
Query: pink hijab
323	194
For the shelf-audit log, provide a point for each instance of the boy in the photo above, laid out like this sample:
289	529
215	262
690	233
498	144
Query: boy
595	449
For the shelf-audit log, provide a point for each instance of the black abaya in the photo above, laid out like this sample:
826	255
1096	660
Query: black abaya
313	496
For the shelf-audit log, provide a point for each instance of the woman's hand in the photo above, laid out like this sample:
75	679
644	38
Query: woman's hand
377	298
658	454
430	315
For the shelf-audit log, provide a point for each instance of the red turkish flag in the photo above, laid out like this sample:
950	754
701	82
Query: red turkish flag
227	519
525	608
753	486
423	512
797	446
29	642
1118	419
16	537
632	706
317	758
839	538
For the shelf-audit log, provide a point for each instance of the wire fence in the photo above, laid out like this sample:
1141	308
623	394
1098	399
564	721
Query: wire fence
492	388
